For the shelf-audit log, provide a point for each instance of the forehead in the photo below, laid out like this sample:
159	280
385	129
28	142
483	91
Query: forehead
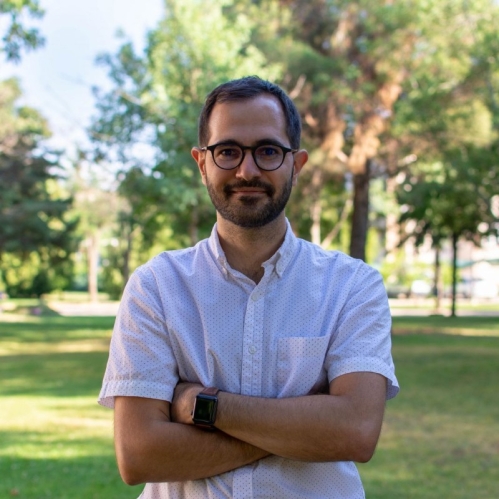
248	121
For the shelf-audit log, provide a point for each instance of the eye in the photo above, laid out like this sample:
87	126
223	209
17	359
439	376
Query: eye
268	151
226	152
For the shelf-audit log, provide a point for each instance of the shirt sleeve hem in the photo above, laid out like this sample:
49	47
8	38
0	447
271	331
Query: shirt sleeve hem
133	388
362	364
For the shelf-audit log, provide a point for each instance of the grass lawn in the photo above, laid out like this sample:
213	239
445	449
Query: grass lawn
440	438
55	442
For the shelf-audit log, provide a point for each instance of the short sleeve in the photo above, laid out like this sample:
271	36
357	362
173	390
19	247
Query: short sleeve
362	340
141	361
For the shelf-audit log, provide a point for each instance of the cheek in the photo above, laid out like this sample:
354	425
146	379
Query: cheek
218	176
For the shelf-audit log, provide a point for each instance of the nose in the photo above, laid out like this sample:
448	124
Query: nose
248	169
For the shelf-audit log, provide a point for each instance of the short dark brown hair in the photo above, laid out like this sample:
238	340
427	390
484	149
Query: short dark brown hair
250	87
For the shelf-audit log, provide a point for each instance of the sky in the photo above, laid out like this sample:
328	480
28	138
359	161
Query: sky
57	78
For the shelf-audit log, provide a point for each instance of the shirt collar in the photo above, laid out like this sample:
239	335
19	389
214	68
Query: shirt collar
286	251
279	260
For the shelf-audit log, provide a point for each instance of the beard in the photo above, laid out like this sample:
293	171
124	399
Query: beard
246	213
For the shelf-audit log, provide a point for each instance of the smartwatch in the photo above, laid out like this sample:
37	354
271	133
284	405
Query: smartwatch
205	408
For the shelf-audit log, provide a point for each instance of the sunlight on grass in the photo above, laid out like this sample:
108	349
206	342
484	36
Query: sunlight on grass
461	326
55	428
93	345
55	441
16	318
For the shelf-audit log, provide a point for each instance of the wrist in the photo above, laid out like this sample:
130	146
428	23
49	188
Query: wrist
204	409
183	402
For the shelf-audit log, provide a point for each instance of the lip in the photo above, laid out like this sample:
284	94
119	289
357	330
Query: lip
252	191
248	192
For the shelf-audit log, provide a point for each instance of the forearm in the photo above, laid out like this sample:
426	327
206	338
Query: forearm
341	426
311	428
162	451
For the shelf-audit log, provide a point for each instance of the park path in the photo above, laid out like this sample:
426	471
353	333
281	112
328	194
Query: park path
397	309
85	309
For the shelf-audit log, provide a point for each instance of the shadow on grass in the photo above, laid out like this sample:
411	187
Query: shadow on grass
450	325
88	477
440	434
426	472
62	374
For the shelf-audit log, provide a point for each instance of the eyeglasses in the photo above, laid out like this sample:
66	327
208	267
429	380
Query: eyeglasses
267	157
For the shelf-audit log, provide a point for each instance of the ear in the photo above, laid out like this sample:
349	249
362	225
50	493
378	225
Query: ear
300	157
200	157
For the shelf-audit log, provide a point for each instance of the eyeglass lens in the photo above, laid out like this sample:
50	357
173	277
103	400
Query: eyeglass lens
267	157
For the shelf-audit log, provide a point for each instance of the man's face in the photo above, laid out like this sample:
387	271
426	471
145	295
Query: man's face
247	196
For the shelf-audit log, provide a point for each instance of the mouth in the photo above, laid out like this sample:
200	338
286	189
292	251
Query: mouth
248	192
249	189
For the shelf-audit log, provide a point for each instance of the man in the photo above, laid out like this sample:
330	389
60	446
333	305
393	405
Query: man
254	364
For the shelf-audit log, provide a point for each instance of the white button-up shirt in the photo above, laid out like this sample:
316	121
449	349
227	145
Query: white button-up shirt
188	316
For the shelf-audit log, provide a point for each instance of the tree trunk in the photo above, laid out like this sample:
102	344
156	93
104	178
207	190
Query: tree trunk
392	234
316	206
93	265
337	227
360	215
128	252
436	280
315	215
454	274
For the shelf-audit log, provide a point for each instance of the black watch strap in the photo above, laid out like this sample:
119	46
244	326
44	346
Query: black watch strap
209	391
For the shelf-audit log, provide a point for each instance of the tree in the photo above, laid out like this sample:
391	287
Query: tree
345	74
17	36
156	100
454	119
348	64
453	200
376	84
32	209
95	207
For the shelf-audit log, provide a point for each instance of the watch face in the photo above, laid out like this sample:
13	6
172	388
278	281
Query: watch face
205	409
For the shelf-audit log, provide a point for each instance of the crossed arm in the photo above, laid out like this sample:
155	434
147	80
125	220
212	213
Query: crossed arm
157	442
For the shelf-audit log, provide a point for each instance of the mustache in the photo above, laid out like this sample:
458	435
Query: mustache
255	183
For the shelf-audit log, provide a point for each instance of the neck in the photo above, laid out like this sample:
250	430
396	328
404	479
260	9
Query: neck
246	249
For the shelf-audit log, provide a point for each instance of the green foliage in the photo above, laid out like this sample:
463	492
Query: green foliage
453	198
34	226
398	275
388	79
17	36
37	273
347	62
157	100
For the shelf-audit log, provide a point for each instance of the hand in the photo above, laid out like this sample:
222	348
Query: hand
183	402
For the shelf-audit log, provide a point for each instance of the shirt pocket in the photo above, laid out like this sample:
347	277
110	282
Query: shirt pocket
300	365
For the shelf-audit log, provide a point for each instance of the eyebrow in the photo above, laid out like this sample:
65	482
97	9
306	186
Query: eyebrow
260	142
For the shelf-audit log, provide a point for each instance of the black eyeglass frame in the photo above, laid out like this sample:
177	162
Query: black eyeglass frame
285	150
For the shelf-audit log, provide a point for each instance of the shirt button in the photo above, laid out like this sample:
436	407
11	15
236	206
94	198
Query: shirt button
254	297
252	349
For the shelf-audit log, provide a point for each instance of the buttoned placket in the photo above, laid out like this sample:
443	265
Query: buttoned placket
252	354
252	368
